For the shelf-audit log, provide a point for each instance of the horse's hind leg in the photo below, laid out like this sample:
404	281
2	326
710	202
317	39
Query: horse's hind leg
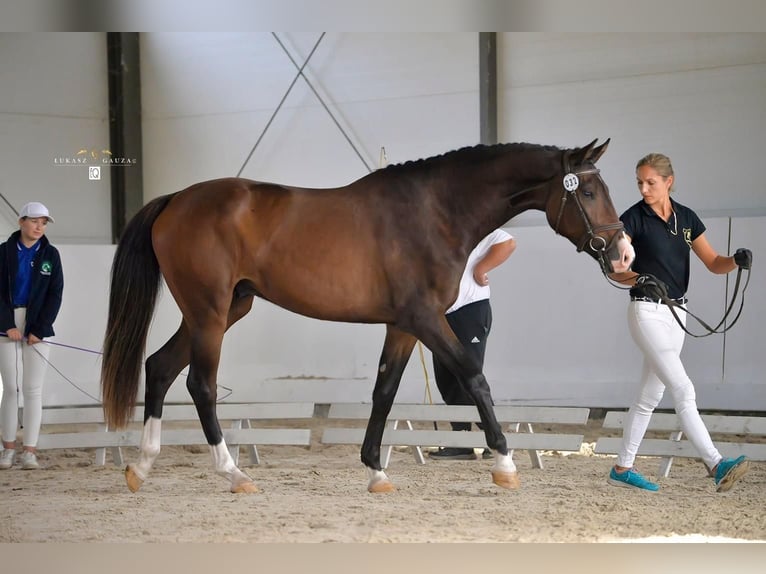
162	368
393	359
205	356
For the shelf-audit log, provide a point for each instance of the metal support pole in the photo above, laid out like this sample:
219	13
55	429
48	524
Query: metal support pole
124	78
488	87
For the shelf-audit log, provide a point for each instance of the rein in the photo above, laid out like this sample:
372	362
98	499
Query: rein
660	293
717	329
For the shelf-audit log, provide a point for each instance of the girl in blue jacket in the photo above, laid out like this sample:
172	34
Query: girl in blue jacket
31	285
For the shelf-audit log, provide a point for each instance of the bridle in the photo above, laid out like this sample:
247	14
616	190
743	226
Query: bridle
591	237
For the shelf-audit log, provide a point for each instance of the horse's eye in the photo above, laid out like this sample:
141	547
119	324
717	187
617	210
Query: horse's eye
587	193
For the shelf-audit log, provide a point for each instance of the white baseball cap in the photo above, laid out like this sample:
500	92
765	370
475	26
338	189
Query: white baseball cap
35	209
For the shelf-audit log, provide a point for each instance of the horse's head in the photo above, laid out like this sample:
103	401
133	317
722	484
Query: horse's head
580	209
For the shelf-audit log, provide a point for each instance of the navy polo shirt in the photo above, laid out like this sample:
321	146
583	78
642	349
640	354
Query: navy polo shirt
662	248
24	274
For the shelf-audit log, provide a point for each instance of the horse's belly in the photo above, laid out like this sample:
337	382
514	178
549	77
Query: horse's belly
329	302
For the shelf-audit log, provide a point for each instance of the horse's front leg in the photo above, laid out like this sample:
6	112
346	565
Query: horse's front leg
393	359
202	387
451	353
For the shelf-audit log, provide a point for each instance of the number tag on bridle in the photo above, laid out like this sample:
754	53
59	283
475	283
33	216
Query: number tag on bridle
571	182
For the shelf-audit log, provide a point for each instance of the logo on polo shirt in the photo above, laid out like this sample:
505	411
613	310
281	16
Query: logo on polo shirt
45	268
688	236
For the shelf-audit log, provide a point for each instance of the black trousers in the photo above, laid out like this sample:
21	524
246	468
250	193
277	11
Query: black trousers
471	325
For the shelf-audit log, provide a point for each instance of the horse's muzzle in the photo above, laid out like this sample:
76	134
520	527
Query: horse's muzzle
615	255
620	253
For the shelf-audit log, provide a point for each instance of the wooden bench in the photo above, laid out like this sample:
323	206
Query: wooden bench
675	446
240	433
513	416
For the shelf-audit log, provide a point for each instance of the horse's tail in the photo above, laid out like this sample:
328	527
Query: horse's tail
135	282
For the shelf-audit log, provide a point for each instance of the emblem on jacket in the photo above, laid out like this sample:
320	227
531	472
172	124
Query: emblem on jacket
45	268
688	236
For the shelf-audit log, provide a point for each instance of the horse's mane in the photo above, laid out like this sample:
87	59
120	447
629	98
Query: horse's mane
469	154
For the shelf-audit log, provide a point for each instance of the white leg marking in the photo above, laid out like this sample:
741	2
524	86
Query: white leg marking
375	476
224	464
150	447
504	462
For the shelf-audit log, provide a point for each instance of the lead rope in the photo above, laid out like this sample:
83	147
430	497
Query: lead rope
717	329
228	390
672	304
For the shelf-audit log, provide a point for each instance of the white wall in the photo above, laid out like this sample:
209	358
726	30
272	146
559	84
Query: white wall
53	103
207	98
698	98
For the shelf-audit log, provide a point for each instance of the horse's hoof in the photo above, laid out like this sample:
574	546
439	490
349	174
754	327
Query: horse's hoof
381	487
133	480
509	480
244	488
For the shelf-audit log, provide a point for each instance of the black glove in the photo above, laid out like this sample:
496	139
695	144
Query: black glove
649	286
743	258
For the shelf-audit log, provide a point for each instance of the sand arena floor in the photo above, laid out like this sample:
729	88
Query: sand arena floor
318	494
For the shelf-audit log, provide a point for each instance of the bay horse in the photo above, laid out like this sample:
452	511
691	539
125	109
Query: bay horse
388	248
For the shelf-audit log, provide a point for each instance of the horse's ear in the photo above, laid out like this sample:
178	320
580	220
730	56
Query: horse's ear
596	153
579	155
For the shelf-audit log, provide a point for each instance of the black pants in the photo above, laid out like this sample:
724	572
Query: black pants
471	325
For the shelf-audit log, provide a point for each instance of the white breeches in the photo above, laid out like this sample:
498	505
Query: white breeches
660	338
22	368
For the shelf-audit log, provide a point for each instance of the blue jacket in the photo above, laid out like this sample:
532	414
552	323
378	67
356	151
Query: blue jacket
44	293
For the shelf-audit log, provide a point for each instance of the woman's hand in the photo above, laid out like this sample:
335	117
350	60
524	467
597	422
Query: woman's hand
743	258
33	339
481	278
14	334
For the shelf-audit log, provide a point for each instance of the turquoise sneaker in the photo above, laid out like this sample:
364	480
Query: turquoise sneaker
631	479
729	471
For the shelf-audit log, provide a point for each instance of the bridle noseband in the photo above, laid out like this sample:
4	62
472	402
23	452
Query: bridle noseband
591	237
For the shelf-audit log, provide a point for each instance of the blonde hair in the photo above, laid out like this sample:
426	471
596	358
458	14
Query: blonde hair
661	164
